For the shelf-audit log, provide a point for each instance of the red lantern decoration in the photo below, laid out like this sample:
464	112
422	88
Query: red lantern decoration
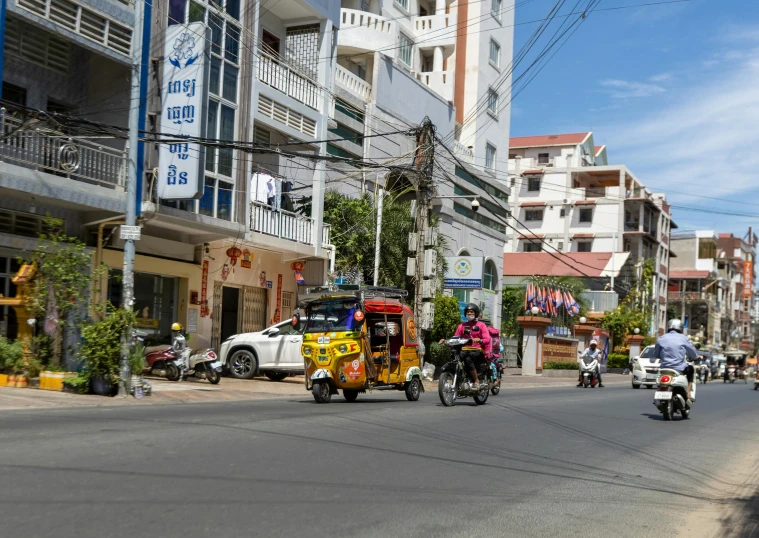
234	253
297	266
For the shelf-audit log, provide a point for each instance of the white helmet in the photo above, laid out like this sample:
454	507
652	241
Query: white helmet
593	343
675	325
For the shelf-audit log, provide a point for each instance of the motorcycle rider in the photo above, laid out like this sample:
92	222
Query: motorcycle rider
672	348
592	354
480	335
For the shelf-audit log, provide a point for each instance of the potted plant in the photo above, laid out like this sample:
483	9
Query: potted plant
136	367
101	350
11	361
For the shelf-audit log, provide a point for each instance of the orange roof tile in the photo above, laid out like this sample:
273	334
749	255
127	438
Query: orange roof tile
548	140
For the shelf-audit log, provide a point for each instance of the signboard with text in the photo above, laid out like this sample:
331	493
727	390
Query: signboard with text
463	272
184	93
748	278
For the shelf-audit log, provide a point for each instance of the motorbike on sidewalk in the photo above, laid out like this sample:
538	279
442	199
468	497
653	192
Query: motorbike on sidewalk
200	364
159	360
454	382
672	394
588	374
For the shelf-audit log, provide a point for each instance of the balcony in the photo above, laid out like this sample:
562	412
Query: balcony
441	82
601	301
53	152
279	75
361	31
353	84
285	225
464	153
435	30
691	296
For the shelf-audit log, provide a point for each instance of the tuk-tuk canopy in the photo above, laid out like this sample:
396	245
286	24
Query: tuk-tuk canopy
380	305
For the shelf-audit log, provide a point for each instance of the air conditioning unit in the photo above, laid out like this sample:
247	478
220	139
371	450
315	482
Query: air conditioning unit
430	262
410	266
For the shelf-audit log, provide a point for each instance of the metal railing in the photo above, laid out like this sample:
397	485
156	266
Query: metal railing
284	224
276	73
52	152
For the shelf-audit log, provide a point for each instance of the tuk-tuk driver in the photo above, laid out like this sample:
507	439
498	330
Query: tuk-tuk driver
480	335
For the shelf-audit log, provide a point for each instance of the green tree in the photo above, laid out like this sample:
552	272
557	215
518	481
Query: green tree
447	317
513	306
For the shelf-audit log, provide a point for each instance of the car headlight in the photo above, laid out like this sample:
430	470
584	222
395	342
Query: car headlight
342	348
637	366
306	350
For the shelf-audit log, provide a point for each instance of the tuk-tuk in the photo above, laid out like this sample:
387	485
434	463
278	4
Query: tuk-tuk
360	340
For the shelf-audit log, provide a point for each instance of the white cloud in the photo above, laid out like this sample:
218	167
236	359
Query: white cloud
623	89
661	77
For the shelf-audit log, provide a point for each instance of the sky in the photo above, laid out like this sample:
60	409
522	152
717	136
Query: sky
672	90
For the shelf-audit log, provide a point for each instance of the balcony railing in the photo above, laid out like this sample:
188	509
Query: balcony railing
466	154
284	224
56	153
601	301
690	296
441	82
277	74
354	84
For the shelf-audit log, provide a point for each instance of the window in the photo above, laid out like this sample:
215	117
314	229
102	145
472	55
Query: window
490	276
462	296
340	152
14	94
706	249
482	219
349	110
584	246
341	131
560	245
405	49
469	178
586	215
533	184
402	3
529	246
37	46
486	203
533	214
563	213
261	135
492	101
496	8
490	157
542	158
495	53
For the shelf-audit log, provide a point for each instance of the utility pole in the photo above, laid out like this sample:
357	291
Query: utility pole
130	234
423	161
380	204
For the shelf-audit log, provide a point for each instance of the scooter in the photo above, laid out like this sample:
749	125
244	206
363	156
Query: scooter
496	368
588	373
671	397
203	364
159	360
730	375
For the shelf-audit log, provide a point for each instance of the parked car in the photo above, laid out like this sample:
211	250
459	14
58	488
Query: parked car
645	369
273	352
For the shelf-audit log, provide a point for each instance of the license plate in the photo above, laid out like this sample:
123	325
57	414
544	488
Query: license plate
662	395
323	340
215	364
323	359
651	376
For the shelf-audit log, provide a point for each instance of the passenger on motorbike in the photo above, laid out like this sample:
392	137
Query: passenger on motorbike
480	335
673	348
592	354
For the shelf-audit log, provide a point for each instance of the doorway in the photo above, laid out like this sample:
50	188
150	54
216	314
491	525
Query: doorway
230	301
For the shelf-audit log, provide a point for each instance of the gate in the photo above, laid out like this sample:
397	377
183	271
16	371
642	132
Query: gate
510	352
252	310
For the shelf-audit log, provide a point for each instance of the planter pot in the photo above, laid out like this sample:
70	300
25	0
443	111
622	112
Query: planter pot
102	386
3	380
34	382
21	381
54	380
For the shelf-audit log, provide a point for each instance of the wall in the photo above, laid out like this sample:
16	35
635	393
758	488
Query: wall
686	251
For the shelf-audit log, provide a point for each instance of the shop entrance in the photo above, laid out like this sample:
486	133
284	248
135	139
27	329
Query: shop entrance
236	310
230	307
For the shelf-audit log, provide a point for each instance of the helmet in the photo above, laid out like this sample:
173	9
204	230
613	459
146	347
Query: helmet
176	327
593	342
675	325
474	308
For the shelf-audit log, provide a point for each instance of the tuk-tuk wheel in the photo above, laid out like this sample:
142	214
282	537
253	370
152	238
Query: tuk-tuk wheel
413	389
321	392
350	395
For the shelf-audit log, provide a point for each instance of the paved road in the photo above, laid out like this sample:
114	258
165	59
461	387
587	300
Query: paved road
533	462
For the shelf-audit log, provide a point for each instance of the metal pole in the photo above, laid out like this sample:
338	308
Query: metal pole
613	257
3	11
380	203
127	300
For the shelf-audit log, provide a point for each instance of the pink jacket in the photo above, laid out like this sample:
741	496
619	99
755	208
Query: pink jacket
484	334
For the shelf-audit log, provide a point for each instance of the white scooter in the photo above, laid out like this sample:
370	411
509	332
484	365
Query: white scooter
588	372
202	364
671	397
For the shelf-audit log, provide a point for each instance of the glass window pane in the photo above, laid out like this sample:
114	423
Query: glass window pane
3	265
233	8
226	132
232	45
214	78
211	131
176	11
197	12
230	83
217	30
206	202
224	201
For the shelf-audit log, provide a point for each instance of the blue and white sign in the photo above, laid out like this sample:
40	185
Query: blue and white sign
463	272
185	95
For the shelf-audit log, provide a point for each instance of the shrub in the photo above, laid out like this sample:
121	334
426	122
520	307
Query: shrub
11	356
438	354
618	360
447	317
137	359
560	365
101	349
79	384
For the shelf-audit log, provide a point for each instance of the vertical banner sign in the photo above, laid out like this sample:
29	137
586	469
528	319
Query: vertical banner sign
279	300
204	291
184	93
748	277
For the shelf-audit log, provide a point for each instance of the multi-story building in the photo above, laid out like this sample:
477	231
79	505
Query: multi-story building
220	263
567	198
741	254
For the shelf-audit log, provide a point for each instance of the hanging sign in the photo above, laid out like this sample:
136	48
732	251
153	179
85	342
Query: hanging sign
279	299
748	278
464	272
204	291
184	92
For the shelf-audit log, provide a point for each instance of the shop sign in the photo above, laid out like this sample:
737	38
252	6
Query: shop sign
559	350
464	272
279	299
269	284
204	291
185	94
748	277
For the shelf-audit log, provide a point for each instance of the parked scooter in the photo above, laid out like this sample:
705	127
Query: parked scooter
159	360
588	373
201	364
671	397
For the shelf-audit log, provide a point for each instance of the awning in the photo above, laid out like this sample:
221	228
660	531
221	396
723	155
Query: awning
583	236
532	204
585	202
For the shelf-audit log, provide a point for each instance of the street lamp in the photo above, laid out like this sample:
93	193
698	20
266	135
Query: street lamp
636	330
583	319
535	310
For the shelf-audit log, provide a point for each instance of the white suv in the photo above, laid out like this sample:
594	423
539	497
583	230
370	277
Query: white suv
645	369
274	352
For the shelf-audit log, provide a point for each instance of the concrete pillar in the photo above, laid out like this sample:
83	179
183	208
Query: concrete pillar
534	328
635	342
439	7
583	333
437	59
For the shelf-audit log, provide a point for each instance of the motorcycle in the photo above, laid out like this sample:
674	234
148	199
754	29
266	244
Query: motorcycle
454	380
704	374
729	375
202	364
672	394
159	360
588	373
496	367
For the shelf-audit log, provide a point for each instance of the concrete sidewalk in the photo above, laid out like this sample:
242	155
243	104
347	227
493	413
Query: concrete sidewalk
195	390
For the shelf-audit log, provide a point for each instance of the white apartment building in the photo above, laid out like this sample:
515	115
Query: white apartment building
567	198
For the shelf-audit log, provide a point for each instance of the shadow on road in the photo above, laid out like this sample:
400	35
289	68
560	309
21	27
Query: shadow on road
742	521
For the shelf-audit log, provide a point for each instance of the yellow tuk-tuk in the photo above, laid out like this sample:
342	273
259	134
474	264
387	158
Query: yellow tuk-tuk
360	340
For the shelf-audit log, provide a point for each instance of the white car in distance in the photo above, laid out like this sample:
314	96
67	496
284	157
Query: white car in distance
645	369
273	352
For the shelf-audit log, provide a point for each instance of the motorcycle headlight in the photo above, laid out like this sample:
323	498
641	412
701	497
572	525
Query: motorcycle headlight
342	348
306	350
